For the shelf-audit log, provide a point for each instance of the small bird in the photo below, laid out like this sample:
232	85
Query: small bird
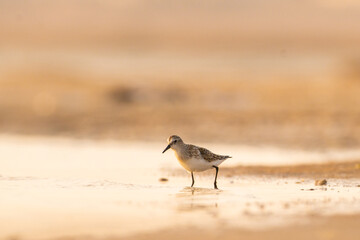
194	158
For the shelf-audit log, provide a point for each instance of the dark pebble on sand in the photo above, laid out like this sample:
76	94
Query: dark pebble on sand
163	179
320	182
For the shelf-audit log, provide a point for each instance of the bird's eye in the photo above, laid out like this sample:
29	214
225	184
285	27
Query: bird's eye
175	141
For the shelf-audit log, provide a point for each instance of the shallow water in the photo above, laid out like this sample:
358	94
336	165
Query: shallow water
59	187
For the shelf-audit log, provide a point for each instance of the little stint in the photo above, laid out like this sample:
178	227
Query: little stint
194	158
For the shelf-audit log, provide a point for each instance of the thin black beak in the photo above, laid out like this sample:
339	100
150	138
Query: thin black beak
168	146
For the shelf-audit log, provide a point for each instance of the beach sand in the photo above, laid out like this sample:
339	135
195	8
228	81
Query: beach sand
82	189
317	228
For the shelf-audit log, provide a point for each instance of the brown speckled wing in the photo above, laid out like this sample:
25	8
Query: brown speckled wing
192	151
209	156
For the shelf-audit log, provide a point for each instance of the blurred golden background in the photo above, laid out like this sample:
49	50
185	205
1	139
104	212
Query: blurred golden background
251	72
91	89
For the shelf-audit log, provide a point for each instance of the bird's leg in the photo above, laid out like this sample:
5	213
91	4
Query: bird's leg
193	181
217	170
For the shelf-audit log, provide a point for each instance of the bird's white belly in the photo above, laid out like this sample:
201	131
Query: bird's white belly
196	165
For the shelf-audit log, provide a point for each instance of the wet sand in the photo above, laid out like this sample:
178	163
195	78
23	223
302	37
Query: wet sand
318	228
328	170
110	190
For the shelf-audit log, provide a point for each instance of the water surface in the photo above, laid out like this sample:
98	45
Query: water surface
59	187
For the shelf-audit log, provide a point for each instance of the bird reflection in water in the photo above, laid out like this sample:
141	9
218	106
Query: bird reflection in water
202	199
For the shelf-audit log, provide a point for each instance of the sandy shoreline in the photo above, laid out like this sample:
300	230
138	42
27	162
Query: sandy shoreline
336	170
318	228
311	226
83	190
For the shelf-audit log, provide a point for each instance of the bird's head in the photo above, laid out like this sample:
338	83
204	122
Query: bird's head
173	142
